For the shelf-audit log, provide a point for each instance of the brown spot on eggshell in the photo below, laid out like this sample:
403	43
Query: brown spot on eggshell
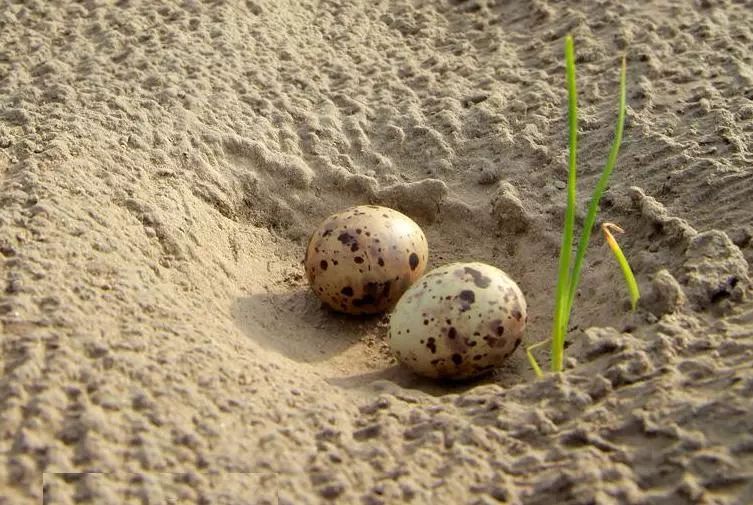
431	345
346	238
479	279
413	261
466	299
364	301
467	296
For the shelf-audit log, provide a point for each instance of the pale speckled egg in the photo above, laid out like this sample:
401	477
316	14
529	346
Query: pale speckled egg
361	260
458	321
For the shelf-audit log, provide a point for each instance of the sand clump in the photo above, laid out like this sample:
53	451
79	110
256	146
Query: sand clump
161	168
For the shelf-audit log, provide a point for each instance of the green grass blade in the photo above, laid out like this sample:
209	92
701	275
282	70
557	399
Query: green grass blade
627	272
593	207
561	297
532	360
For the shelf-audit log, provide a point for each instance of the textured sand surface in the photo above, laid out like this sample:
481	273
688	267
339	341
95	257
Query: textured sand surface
161	167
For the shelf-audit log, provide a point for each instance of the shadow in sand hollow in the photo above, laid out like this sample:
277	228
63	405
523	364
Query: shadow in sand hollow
400	376
351	352
296	325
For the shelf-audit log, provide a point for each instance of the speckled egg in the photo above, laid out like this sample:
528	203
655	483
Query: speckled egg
460	320
361	260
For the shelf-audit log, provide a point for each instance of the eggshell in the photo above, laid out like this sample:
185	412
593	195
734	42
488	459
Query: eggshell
361	260
460	320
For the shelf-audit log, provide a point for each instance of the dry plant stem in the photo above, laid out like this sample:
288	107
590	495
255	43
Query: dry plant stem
627	272
561	297
532	360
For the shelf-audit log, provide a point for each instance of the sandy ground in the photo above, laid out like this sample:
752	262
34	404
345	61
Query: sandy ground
161	168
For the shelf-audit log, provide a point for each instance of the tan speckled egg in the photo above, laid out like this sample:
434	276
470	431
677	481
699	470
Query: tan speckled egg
460	320
361	260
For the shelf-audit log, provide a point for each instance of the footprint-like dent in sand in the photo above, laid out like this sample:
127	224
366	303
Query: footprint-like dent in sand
294	324
349	352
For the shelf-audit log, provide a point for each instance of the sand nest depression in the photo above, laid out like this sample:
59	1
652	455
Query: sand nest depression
161	168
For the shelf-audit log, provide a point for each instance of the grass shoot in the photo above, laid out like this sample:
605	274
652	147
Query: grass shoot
569	269
627	272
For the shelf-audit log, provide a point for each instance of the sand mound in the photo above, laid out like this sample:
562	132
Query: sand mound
161	168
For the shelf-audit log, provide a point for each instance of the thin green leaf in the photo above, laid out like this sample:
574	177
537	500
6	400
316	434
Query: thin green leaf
561	296
627	272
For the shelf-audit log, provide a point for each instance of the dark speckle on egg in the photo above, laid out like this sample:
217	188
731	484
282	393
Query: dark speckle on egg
479	279
363	301
431	344
413	261
346	238
467	296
